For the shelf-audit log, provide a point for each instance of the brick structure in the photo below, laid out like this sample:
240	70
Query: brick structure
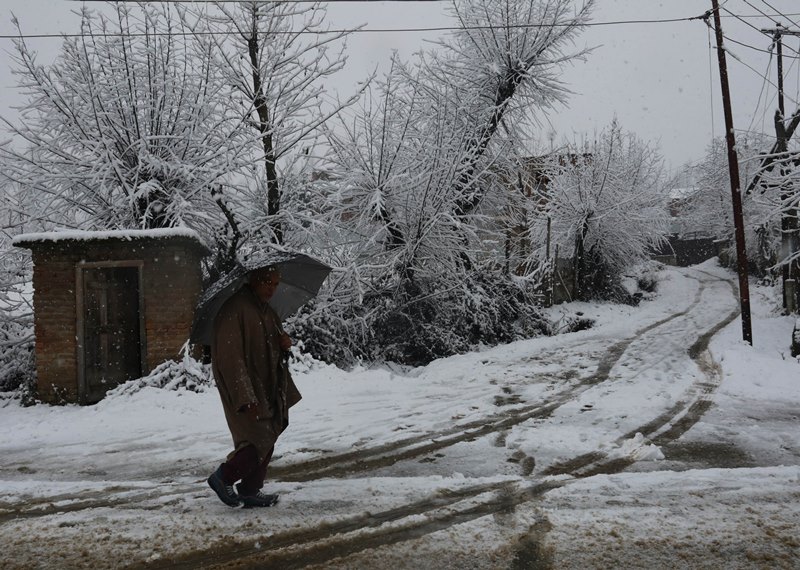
109	306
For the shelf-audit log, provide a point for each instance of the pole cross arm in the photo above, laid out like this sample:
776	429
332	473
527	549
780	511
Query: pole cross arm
781	31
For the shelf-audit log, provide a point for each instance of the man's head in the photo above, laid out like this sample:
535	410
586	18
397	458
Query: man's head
264	282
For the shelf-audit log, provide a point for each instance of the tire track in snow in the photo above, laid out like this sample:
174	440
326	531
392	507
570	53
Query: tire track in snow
129	497
671	424
387	455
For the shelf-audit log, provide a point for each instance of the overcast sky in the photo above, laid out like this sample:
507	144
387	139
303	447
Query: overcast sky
659	79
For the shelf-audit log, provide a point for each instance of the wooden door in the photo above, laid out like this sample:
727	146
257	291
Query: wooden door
111	329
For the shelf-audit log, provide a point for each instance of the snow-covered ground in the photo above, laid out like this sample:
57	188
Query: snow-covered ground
655	439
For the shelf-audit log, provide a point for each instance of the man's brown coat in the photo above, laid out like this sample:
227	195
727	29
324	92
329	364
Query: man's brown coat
249	368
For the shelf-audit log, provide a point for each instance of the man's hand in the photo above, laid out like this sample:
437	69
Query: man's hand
285	342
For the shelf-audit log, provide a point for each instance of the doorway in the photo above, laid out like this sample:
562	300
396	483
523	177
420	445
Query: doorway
111	344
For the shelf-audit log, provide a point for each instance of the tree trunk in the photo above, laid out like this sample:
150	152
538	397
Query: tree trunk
579	262
265	128
477	146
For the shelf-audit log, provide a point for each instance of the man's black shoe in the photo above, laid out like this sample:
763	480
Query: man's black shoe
226	493
258	499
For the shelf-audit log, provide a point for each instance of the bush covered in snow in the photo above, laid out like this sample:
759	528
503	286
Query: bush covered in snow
630	288
422	321
17	368
188	374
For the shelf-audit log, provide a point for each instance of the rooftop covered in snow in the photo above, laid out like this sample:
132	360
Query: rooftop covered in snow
25	240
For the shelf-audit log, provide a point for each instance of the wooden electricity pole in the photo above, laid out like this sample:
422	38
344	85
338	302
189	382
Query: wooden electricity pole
736	189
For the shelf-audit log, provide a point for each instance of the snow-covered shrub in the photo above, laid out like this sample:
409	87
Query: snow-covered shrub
422	321
188	374
575	324
17	368
647	283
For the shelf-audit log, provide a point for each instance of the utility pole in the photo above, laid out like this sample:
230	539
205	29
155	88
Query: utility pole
789	228
736	188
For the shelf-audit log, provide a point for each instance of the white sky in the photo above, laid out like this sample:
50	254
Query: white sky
659	79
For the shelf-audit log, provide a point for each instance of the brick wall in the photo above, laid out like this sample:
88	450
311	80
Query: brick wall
172	285
171	278
55	326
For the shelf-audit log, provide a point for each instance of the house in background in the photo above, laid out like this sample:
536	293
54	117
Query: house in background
686	244
109	306
530	181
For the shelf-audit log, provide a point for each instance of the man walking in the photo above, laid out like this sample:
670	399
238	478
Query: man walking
254	385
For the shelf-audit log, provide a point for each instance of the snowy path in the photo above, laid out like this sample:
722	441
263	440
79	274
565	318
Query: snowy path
475	461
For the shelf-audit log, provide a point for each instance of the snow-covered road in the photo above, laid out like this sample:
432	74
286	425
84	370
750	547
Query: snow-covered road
645	441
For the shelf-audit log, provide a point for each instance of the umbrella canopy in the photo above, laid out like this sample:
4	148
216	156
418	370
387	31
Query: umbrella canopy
301	278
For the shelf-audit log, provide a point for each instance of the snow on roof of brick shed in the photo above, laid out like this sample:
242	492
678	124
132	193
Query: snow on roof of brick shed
25	240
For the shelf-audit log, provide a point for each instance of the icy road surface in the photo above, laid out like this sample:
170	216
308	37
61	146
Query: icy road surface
657	439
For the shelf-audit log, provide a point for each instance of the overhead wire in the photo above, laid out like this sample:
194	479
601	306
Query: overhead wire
787	16
760	95
706	17
767	32
754	70
360	30
306	2
759	30
760	11
796	25
363	30
762	50
240	1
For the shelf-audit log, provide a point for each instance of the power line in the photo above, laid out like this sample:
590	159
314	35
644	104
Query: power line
365	30
784	15
754	70
760	11
752	26
354	30
327	2
760	95
754	48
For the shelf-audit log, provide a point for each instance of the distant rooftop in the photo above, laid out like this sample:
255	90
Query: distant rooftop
682	193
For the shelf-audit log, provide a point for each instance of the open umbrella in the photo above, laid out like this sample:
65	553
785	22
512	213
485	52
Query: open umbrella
301	278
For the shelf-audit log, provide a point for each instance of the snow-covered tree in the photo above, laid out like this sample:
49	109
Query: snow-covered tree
710	210
275	56
504	63
16	310
775	187
420	160
124	129
607	203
